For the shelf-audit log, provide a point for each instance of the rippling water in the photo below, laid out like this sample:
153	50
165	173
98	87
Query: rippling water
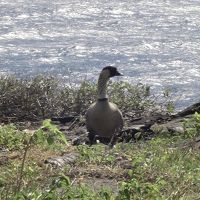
154	42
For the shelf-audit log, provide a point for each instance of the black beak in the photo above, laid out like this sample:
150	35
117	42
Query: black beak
118	74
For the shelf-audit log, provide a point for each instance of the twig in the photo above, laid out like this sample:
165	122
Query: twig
19	180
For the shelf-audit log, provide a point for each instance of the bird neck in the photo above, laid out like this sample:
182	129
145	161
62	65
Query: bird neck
102	87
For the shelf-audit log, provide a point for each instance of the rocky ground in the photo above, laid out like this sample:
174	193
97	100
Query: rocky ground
145	128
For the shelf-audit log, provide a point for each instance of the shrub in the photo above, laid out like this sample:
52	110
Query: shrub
11	138
44	97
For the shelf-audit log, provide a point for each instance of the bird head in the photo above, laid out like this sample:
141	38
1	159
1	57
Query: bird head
111	71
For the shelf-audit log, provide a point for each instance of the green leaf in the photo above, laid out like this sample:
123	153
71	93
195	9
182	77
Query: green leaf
62	138
50	140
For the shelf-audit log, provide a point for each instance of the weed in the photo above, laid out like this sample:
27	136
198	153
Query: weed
192	126
11	138
95	155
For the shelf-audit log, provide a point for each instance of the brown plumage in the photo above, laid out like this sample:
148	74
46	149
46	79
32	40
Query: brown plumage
103	118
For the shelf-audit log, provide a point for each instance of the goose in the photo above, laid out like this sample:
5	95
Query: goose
103	118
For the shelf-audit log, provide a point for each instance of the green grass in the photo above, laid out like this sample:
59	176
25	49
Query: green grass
162	168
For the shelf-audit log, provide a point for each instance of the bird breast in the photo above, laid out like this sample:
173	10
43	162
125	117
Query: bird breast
104	119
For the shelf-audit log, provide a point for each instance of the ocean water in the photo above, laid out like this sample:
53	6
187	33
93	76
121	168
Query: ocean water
152	42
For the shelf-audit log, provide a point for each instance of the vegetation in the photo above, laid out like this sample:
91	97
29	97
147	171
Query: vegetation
43	97
165	167
162	168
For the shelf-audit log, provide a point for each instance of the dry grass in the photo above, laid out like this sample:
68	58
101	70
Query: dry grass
45	97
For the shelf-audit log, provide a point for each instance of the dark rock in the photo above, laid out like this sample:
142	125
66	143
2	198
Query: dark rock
3	160
61	161
82	139
63	120
122	162
175	123
188	111
174	126
144	126
76	136
3	150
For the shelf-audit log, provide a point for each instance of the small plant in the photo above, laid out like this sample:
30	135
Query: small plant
96	154
134	189
197	122
192	126
11	138
47	134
